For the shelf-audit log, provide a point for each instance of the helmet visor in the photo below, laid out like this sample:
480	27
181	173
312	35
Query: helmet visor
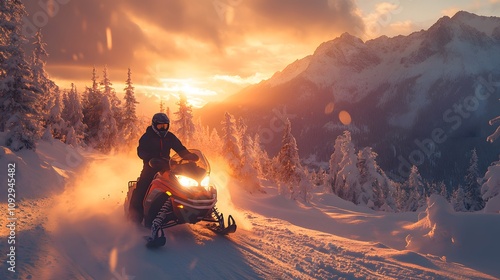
162	126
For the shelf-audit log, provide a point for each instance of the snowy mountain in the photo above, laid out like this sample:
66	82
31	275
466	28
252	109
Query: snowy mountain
422	99
71	225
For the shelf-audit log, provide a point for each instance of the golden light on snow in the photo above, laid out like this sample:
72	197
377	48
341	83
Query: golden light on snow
329	108
345	117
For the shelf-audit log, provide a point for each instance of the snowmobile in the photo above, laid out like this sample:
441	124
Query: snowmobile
180	193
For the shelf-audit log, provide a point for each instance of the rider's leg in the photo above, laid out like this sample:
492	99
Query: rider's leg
136	206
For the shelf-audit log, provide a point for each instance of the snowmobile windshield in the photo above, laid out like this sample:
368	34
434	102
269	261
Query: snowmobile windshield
194	169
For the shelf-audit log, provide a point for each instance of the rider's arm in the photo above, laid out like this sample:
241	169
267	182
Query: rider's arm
181	150
143	150
187	155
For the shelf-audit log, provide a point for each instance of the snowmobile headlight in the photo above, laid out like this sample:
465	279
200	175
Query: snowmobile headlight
186	181
205	182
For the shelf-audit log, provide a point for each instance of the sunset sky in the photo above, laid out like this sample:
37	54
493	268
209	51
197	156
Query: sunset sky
209	49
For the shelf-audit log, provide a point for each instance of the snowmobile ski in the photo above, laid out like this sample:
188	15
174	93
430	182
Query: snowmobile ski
221	229
156	242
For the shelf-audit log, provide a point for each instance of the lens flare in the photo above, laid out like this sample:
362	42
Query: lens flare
345	117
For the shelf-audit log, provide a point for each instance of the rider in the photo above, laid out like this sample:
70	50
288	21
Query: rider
155	143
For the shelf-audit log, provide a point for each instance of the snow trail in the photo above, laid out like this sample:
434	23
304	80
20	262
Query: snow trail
82	234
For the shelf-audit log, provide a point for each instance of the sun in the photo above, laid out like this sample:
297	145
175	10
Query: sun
194	89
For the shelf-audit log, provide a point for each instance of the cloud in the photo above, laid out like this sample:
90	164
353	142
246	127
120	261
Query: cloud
379	21
185	39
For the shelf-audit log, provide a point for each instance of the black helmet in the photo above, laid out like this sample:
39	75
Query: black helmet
161	124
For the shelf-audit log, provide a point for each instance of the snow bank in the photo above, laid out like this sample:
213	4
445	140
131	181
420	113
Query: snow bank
493	205
44	172
491	188
469	238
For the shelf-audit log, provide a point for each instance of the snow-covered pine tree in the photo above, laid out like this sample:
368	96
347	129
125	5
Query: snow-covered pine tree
92	110
303	190
319	180
130	131
400	196
247	172
347	183
73	115
108	90
200	138
490	188
262	163
472	188
458	199
442	190
214	143
54	122
231	150
42	80
108	130
162	107
288	164
334	163
415	189
19	95
376	188
183	121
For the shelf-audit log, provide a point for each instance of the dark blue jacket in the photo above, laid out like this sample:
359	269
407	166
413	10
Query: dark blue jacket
151	145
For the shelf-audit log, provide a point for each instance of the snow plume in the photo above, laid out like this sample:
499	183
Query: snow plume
470	238
226	186
88	219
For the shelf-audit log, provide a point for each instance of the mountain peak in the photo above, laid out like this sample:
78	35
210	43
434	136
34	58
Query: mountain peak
464	15
345	39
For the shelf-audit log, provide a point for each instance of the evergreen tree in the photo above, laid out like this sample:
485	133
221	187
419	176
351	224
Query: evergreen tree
401	196
73	115
130	129
92	110
19	95
289	167
347	184
247	171
263	163
115	103
458	200
303	190
260	156
54	123
334	162
231	151
106	136
416	191
162	107
473	199
41	78
442	190
183	122
376	188
319	179
214	142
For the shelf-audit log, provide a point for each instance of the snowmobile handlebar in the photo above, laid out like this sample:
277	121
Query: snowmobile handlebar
159	163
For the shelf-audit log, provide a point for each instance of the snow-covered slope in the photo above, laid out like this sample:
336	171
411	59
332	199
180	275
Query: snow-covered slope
79	232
